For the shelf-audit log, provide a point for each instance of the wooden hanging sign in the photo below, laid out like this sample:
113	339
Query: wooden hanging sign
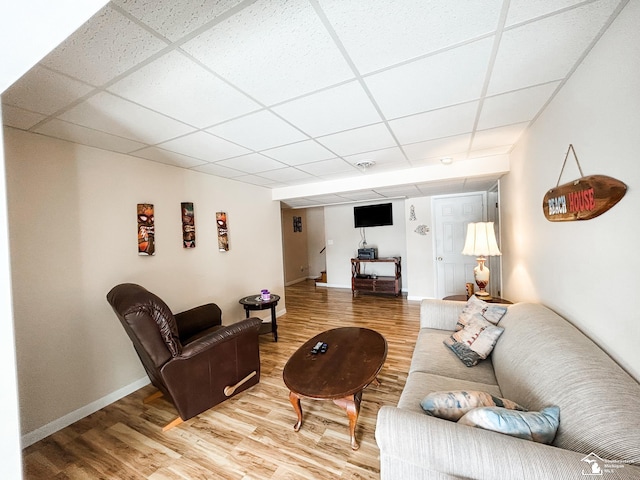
582	199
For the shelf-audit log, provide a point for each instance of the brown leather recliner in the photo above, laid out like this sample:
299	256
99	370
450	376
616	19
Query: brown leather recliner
193	359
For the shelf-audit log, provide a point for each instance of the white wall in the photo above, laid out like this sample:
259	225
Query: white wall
72	218
343	241
10	430
588	270
28	31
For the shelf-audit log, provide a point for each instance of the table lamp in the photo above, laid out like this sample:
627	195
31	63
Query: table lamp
481	243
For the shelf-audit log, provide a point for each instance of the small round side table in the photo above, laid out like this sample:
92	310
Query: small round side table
255	302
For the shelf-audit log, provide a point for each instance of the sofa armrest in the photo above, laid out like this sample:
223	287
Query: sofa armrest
192	321
429	444
440	314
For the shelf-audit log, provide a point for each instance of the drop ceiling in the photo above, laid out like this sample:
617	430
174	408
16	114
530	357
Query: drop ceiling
293	95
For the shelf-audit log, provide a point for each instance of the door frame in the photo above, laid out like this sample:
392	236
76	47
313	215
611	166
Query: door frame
486	195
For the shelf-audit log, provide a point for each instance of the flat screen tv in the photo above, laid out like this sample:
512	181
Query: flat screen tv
372	215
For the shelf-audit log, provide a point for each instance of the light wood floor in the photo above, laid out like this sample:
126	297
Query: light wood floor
251	435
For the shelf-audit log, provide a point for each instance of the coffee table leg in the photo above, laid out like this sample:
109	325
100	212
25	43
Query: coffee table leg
351	405
295	401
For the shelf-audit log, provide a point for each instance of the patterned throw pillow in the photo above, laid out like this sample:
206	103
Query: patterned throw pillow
475	306
539	426
475	341
453	405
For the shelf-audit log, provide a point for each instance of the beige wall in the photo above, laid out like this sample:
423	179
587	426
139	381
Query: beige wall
294	246
72	226
588	270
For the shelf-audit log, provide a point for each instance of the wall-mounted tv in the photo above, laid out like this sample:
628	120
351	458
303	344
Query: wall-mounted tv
372	215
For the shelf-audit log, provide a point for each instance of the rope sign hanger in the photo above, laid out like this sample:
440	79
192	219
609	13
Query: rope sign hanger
570	149
581	199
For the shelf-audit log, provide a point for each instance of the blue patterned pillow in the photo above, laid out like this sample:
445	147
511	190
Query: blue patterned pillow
539	426
453	405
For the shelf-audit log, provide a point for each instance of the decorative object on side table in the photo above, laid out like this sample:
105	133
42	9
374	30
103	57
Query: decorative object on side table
481	243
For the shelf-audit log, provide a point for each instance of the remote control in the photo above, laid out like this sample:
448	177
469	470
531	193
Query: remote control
323	348
317	348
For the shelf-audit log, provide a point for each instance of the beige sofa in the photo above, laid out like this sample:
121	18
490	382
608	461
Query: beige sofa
540	360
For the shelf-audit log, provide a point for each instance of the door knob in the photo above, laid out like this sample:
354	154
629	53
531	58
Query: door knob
439	259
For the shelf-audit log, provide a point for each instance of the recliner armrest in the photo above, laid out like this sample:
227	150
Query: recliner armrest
220	335
193	321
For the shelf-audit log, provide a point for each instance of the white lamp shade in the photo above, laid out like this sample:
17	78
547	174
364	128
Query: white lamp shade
481	240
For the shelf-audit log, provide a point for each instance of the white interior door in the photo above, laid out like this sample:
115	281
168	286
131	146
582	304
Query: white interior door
451	216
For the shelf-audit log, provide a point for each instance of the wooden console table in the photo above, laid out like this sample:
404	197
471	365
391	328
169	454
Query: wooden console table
373	283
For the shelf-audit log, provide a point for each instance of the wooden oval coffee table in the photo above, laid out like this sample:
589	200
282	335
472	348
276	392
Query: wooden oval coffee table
353	359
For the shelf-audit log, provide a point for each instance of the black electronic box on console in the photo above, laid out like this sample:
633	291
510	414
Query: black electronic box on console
367	253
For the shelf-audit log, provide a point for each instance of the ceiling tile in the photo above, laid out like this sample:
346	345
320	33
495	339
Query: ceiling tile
327	167
373	137
87	136
366	28
204	146
254	180
523	10
218	170
497	136
488	152
287	44
106	46
182	89
19	118
258	131
442	147
529	55
445	122
170	158
498	110
297	153
117	116
333	110
289	174
455	76
252	163
42	91
176	19
384	159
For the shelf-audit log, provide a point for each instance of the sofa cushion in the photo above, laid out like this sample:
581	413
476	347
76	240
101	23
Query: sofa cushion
453	405
475	341
475	306
539	426
430	355
420	384
541	359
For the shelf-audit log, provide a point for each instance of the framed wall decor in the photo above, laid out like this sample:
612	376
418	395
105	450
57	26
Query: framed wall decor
146	229
223	231
188	225
297	224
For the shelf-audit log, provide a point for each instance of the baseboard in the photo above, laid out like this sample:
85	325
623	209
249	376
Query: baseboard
62	422
297	280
